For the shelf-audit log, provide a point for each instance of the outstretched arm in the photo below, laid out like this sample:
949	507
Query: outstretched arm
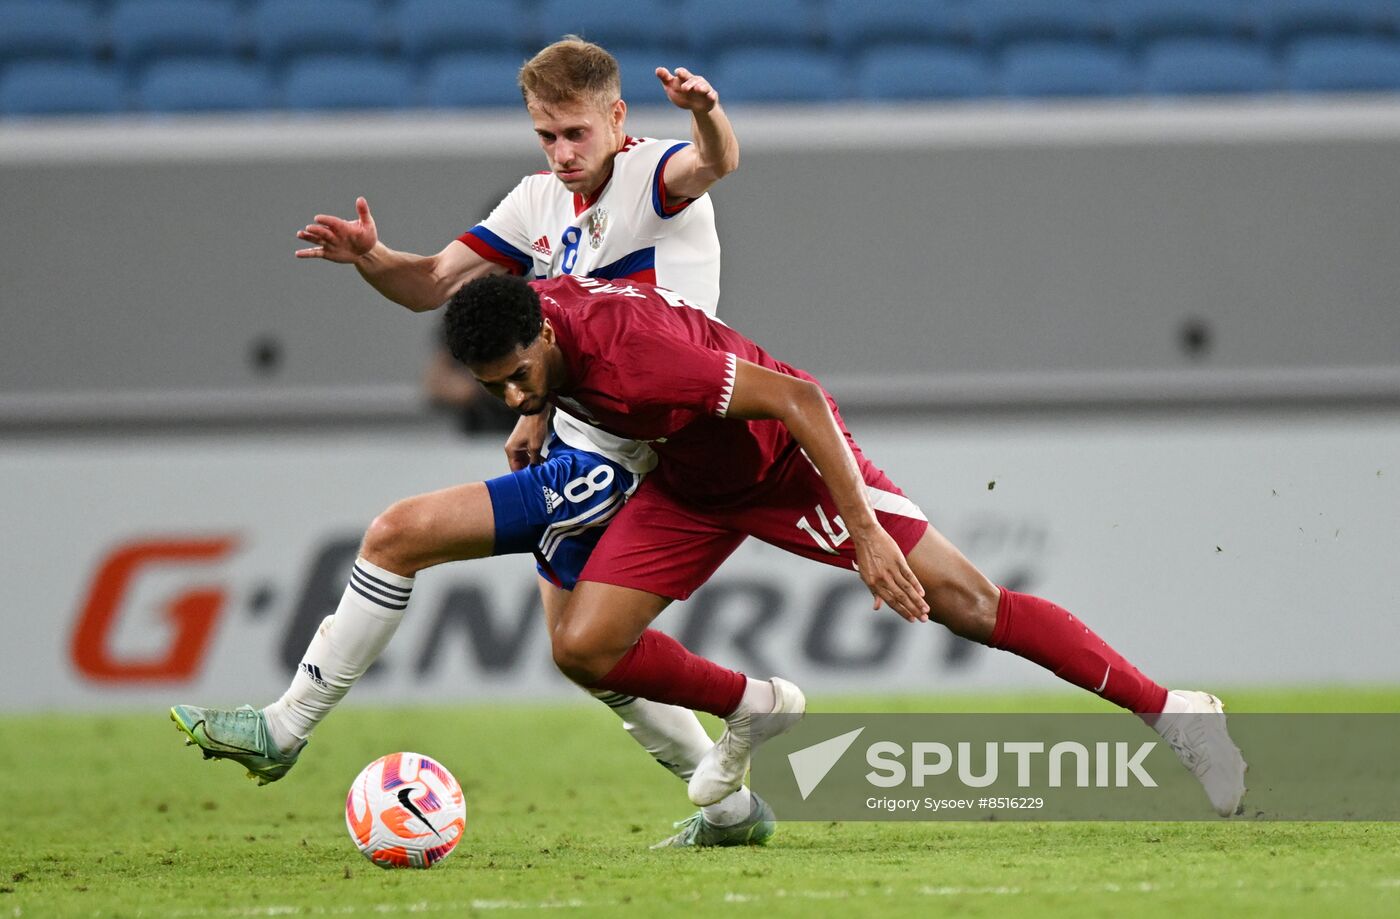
418	282
714	152
802	407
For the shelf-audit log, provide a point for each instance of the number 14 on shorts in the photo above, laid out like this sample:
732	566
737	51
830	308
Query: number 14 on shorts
835	534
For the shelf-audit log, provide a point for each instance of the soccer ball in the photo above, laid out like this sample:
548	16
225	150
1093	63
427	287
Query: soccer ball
405	810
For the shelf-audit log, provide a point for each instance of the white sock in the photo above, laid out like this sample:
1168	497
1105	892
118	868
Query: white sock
731	810
671	734
758	698
675	738
1176	704
340	652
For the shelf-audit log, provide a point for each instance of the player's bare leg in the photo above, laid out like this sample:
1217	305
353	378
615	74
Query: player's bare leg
448	525
603	642
1193	723
672	735
675	738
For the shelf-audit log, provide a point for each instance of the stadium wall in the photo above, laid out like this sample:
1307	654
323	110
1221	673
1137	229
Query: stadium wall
946	256
1221	552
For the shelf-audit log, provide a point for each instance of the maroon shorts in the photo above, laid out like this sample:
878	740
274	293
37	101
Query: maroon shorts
662	545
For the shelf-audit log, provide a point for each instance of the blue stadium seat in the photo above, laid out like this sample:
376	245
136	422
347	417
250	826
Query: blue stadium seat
1186	66
998	22
1036	69
778	75
474	79
348	81
638	68
427	28
60	88
722	25
856	24
48	29
283	29
922	72
1283	19
614	24
1138	21
215	85
1341	64
146	29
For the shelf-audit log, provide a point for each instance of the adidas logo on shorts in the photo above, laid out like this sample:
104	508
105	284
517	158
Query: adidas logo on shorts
551	499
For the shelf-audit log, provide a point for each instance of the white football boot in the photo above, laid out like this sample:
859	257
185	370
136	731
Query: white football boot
721	770
1199	739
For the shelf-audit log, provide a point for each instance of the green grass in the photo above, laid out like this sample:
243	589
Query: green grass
111	816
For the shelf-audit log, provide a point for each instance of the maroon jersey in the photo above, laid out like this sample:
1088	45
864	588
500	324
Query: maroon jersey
645	365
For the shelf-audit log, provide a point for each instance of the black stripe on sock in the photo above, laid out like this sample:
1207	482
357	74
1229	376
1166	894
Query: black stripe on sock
619	701
385	584
375	600
356	579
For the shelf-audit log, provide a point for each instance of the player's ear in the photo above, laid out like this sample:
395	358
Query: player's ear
618	113
546	333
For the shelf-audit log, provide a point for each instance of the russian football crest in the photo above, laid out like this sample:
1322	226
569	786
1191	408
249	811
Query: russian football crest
597	227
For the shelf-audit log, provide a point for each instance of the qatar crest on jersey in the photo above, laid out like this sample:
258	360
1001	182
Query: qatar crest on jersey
597	227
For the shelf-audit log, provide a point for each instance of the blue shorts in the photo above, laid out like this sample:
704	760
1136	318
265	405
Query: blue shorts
559	509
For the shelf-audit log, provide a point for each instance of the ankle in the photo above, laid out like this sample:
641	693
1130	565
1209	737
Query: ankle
278	732
758	698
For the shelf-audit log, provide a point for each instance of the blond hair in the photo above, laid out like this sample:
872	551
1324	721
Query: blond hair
571	70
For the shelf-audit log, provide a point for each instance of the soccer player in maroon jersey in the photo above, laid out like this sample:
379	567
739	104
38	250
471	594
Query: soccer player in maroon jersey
750	446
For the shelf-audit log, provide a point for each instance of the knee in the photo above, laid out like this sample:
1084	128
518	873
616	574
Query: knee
392	540
966	609
579	657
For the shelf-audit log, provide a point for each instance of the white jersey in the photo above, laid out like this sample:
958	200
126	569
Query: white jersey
623	231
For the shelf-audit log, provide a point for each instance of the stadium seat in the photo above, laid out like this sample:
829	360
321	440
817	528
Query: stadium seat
778	75
466	80
1175	66
1340	64
283	29
145	29
614	24
1285	19
859	24
712	26
998	22
922	72
60	88
217	85
347	81
37	29
1036	69
427	28
1139	21
638	68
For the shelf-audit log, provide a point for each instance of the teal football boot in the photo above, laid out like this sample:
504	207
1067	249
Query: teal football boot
695	830
240	735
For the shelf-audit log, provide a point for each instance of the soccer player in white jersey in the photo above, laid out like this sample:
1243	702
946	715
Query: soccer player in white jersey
610	206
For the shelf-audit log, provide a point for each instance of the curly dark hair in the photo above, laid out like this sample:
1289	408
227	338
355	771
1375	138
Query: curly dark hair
490	317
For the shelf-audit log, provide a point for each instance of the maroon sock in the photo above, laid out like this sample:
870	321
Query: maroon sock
659	668
1040	631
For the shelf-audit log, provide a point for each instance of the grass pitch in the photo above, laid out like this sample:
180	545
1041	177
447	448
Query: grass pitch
109	816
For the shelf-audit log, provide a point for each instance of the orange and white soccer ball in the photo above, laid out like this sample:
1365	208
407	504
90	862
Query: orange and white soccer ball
405	810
